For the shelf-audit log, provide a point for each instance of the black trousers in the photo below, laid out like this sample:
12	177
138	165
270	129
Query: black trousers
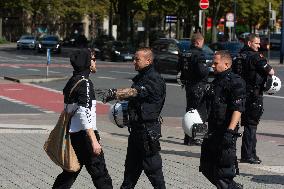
217	164
250	120
138	158
95	165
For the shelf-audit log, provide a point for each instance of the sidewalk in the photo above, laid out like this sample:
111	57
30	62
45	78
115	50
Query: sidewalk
24	164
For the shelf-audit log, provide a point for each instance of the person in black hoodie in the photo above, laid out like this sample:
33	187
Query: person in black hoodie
83	131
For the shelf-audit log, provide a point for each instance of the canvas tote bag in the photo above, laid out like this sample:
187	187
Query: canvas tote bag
58	145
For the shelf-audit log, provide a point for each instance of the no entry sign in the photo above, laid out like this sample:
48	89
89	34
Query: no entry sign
204	4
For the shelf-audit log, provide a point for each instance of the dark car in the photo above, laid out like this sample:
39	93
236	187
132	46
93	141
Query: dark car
233	47
75	40
166	54
117	51
27	42
51	42
275	41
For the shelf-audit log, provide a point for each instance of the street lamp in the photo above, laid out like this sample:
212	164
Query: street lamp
235	19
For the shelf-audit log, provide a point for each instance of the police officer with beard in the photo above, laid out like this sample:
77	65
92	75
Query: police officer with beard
255	70
194	75
226	100
145	101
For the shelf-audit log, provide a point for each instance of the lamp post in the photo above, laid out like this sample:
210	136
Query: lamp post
235	19
282	35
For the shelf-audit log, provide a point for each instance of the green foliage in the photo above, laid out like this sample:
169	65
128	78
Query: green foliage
3	40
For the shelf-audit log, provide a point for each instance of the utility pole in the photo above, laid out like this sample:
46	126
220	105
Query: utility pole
282	35
235	19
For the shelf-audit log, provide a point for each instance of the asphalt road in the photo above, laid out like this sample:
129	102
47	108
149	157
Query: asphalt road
109	75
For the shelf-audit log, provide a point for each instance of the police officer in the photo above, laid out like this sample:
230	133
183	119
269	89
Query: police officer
226	100
255	72
194	74
146	99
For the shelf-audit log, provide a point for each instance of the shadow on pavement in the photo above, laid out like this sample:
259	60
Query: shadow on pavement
266	179
181	153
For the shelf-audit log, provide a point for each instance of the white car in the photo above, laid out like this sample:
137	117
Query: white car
27	42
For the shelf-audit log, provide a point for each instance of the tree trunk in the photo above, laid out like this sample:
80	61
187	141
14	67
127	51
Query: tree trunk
123	20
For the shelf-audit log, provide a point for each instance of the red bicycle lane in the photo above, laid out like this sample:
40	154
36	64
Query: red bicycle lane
44	98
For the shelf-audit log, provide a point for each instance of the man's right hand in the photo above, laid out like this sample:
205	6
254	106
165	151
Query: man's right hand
109	95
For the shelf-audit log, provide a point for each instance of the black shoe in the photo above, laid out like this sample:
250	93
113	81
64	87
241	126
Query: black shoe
238	186
257	158
251	161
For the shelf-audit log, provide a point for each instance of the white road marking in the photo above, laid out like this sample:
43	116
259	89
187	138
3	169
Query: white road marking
130	73
275	169
15	66
53	72
273	96
25	104
22	57
13	89
34	70
106	77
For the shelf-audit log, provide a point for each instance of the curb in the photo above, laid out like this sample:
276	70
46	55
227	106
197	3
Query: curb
34	78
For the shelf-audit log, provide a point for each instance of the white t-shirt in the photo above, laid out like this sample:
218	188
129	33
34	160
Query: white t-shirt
83	119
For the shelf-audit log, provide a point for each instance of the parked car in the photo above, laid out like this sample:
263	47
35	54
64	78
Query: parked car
27	42
275	41
264	45
51	42
233	47
117	51
75	41
166	54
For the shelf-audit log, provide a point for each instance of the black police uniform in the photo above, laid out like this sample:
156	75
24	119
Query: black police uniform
218	162
195	75
255	72
145	130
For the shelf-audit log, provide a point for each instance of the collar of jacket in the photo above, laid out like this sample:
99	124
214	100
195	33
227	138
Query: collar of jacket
247	48
223	74
85	73
143	72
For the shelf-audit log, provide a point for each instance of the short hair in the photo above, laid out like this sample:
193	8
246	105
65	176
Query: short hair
196	36
225	55
251	37
147	51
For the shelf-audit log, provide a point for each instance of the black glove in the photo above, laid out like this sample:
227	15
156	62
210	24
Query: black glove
229	138
109	95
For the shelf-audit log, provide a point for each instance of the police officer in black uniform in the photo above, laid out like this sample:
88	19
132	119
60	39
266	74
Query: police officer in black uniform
255	70
194	75
146	99
226	100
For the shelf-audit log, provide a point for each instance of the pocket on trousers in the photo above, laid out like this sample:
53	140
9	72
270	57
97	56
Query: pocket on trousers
227	157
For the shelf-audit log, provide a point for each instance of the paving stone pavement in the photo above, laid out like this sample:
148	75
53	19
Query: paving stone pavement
25	165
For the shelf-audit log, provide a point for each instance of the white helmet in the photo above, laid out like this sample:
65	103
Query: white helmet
118	114
272	85
190	120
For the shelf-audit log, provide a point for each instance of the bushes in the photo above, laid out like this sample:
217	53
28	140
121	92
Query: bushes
3	40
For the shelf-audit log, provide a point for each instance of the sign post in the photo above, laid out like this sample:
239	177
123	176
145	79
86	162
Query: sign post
203	4
230	23
170	20
48	61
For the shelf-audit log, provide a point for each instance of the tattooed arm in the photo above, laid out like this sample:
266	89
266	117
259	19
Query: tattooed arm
125	93
119	94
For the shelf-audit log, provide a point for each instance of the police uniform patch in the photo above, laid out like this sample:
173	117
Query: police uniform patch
261	55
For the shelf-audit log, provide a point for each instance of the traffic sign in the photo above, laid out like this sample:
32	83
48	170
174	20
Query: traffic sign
230	17
171	19
204	4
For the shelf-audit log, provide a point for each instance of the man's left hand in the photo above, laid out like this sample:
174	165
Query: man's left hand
229	138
